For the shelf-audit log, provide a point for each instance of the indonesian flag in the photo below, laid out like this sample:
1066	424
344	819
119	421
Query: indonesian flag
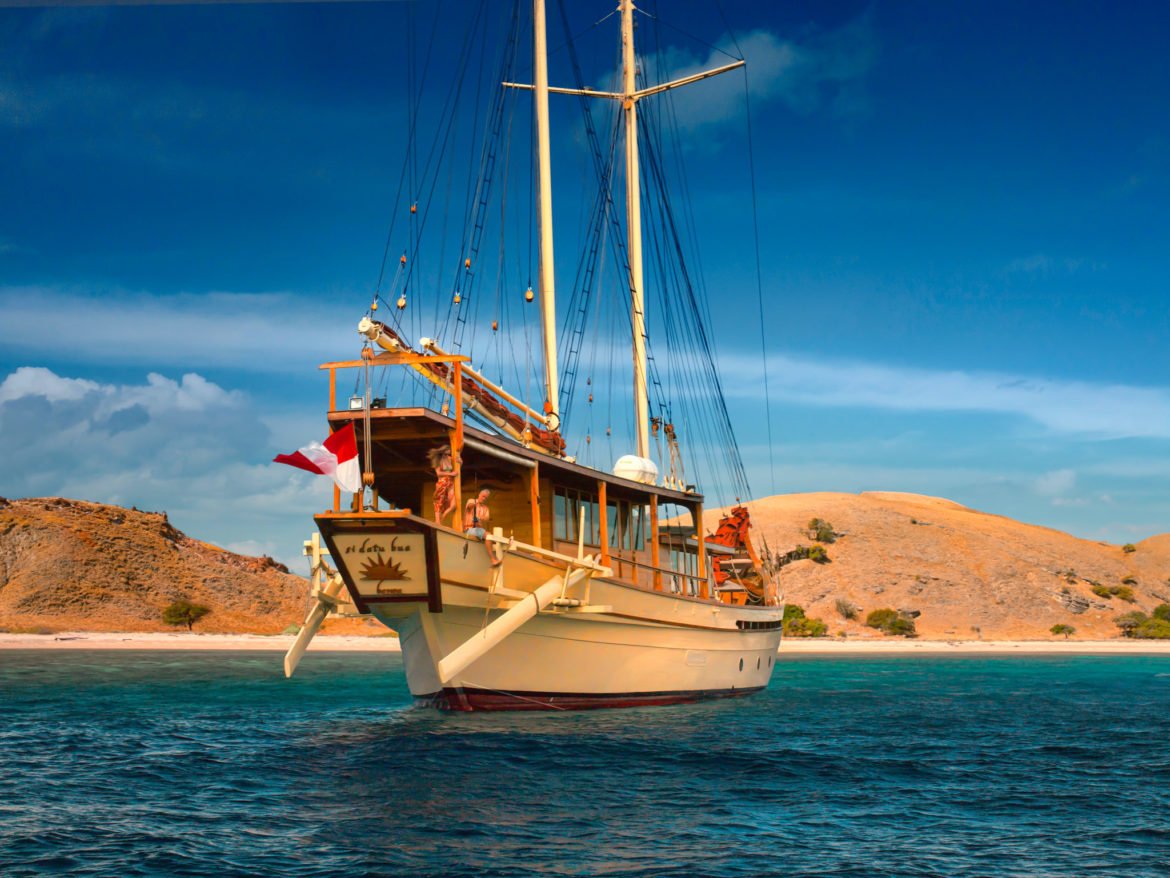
337	458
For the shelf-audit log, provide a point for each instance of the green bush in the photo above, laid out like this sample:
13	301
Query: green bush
847	609
797	624
901	627
183	612
1130	622
805	553
1125	593
881	618
1061	628
1162	611
1129	580
1102	591
821	531
890	622
1153	629
1129	548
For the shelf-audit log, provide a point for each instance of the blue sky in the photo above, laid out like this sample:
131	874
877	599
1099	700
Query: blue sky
964	214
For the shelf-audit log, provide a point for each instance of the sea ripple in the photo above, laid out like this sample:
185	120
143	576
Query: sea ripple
212	764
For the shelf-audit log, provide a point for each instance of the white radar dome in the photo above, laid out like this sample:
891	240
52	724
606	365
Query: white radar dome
636	469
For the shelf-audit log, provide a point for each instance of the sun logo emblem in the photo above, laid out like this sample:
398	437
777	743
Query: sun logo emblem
377	569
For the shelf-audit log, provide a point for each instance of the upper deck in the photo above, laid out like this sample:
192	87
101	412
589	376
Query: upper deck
537	496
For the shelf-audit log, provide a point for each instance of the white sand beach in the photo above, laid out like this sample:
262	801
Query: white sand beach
193	640
898	646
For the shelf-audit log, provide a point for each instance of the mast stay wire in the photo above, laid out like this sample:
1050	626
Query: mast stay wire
691	350
756	236
413	100
479	197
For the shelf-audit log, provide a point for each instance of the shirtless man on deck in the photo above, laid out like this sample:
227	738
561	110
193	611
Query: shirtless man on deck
476	516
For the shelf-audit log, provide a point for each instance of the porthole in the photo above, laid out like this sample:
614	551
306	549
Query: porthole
741	663
769	661
757	663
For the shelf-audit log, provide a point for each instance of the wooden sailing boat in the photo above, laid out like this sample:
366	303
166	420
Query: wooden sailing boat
578	594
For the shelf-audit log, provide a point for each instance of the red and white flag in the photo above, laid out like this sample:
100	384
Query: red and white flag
337	457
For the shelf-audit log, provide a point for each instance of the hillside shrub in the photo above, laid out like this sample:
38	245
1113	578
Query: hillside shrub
1153	629
881	618
890	622
821	531
818	554
901	627
804	553
1060	628
1129	548
1123	592
183	612
1129	580
1162	611
797	624
1130	622
849	610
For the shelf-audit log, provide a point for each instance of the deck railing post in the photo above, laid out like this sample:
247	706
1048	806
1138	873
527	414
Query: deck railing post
704	574
654	542
457	440
603	504
534	500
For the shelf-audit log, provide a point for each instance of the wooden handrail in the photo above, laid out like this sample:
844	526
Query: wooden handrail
586	563
397	360
665	570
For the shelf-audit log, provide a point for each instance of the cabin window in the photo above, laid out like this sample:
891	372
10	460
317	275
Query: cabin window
627	525
567	507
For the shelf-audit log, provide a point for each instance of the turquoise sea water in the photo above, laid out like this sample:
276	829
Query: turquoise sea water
170	763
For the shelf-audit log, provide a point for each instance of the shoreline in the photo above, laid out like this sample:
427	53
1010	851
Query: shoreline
176	640
189	640
832	646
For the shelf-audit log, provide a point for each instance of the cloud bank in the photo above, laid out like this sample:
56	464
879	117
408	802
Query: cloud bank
186	446
817	70
264	332
1091	410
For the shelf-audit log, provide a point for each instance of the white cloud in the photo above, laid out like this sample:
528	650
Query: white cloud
35	381
188	446
1069	407
820	69
1055	483
272	332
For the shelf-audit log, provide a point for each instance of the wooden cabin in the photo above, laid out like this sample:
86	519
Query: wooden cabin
648	535
540	499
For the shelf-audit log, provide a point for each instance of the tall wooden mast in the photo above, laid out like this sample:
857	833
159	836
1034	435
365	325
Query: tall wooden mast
629	97
634	230
548	308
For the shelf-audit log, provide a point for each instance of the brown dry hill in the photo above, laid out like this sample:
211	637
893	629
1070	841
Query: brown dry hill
72	565
969	574
68	564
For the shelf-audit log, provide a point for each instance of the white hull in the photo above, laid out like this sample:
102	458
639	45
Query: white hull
624	646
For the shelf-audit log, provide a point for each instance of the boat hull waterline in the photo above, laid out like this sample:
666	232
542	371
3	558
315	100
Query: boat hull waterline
608	644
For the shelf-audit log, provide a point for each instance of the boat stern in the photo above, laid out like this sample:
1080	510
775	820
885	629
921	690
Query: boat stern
386	559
